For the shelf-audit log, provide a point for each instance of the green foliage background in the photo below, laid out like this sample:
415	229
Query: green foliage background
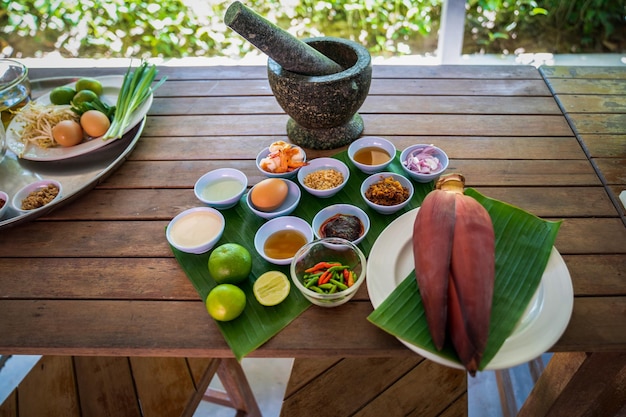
187	28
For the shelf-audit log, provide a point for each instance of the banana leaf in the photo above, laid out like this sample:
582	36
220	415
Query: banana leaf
523	246
258	324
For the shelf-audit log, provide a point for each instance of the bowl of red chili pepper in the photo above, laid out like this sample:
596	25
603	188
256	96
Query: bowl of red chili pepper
328	271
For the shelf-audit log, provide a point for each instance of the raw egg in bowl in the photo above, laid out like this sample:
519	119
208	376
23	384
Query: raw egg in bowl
273	197
221	188
278	240
196	230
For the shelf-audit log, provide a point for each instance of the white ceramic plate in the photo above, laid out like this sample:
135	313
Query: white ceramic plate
543	323
111	86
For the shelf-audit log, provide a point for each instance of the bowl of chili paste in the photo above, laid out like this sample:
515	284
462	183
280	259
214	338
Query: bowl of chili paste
341	220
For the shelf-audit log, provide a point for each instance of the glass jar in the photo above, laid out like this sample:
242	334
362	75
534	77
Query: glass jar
14	93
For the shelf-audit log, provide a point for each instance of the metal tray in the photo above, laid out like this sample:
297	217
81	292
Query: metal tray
77	175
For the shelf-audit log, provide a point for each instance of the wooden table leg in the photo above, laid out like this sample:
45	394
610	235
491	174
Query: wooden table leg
580	384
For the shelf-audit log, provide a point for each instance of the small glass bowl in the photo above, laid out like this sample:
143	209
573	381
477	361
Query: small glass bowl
328	250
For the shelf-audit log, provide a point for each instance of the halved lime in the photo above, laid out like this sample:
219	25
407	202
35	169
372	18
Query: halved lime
271	288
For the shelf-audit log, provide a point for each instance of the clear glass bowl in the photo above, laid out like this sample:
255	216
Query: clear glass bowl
328	250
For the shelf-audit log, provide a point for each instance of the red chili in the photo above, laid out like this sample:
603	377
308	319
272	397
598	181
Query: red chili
324	278
321	265
350	280
346	275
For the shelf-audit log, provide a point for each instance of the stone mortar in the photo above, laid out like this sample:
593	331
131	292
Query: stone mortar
323	109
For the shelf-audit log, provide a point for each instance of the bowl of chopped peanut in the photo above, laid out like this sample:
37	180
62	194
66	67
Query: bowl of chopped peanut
323	177
387	192
36	195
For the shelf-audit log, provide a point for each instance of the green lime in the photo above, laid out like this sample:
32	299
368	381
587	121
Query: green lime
230	263
226	302
62	95
84	96
271	288
89	84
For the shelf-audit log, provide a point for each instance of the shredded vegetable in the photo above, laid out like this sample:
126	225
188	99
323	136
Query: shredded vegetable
37	121
136	88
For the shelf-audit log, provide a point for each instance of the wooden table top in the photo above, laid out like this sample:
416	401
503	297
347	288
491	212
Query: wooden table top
97	277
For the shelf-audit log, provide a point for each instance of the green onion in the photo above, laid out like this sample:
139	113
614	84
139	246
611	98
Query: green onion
136	88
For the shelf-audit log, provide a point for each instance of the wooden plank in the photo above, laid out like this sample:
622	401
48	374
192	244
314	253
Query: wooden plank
593	72
597	275
459	87
588	86
579	384
477	172
359	380
304	371
604	236
164	385
613	170
604	145
9	407
603	124
468	147
457	408
59	398
413	104
105	387
122	279
426	390
456	71
120	321
593	103
385	125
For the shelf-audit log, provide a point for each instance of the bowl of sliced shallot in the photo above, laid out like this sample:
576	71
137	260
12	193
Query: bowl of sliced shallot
423	162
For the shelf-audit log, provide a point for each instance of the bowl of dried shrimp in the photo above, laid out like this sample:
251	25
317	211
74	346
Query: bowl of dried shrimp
281	160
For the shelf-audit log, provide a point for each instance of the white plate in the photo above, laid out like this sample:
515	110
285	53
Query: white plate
543	323
111	86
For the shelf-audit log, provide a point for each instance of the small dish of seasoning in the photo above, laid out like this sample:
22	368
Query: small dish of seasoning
387	192
424	162
371	153
221	188
196	230
280	238
37	195
323	177
4	203
343	221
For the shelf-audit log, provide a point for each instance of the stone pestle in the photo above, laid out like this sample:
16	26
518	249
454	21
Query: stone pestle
288	51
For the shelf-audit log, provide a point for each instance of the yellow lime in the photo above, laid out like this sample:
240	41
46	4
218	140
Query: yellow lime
226	302
90	84
271	288
230	263
84	96
62	95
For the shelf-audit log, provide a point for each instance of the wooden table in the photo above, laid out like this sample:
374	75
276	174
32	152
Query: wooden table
98	278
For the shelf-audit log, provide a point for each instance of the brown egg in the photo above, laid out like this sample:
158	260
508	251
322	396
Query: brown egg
94	123
269	194
67	133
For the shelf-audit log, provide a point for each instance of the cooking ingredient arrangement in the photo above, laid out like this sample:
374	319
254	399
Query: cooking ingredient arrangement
482	305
